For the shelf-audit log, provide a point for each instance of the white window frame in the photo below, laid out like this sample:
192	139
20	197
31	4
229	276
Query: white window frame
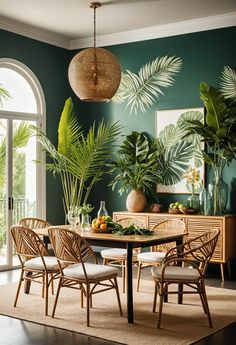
39	117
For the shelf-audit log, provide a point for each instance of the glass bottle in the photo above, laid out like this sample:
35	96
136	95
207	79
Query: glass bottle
73	217
219	195
85	221
205	202
193	202
102	210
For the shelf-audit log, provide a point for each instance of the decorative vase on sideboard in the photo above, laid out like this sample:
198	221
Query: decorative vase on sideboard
136	201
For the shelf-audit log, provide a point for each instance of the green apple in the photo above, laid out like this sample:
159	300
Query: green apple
172	205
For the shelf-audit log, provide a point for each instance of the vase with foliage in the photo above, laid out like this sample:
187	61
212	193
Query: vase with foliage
79	159
85	210
135	169
219	134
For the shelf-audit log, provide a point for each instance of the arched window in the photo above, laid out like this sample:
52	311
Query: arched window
22	184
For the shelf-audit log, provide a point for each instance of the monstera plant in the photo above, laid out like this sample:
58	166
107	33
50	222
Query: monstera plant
135	169
142	162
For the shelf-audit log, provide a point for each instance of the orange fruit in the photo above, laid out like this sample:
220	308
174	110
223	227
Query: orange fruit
103	226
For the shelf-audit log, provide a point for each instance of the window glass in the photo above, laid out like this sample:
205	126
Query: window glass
22	97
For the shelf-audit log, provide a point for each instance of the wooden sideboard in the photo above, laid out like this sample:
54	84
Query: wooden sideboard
196	225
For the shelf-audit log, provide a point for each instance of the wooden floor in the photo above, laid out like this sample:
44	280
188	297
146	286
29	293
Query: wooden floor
17	332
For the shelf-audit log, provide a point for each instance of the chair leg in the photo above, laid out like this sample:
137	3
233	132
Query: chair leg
126	275
204	296
57	295
201	297
88	303
118	296
139	274
161	300
52	283
155	298
81	296
222	272
229	269
18	288
46	293
123	272
43	287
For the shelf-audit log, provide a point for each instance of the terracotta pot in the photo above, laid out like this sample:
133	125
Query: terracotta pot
136	201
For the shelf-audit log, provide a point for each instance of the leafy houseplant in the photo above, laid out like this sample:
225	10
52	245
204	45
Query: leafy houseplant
136	168
79	159
219	134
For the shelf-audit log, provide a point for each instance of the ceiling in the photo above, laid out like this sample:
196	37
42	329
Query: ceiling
73	19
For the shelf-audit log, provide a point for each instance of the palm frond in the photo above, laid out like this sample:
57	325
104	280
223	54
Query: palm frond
21	134
228	83
4	94
69	130
141	91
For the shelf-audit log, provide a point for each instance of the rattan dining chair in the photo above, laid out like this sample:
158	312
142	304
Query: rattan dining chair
34	223
36	265
158	252
118	256
73	252
193	257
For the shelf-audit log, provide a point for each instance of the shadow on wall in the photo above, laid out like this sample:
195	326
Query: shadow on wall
233	196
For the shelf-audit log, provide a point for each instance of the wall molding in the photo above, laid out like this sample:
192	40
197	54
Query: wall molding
173	29
34	32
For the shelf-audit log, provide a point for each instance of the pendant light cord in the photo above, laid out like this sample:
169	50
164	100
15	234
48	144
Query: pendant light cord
94	27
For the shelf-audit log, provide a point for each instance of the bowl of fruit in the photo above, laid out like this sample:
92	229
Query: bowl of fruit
177	207
174	207
102	224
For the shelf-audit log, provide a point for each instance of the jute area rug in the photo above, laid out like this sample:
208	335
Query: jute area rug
181	324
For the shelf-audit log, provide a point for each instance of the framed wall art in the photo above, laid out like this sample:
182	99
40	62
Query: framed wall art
181	155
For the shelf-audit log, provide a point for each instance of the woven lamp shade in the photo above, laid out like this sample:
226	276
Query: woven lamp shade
94	75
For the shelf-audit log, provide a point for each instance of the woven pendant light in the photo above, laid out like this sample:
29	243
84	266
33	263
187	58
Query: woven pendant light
94	73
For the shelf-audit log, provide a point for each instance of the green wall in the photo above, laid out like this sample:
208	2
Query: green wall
204	55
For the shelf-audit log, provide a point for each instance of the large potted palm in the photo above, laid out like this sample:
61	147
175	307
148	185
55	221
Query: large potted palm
79	159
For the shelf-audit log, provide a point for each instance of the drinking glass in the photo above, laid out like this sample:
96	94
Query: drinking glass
73	217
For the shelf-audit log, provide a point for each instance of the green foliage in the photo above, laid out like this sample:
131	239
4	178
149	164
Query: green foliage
228	83
141	91
3	94
80	159
219	131
136	165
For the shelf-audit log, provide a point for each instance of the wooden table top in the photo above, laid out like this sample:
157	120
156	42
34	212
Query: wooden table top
167	235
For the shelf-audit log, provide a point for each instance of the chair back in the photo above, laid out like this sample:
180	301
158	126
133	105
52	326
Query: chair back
69	247
128	221
202	247
34	223
168	225
28	244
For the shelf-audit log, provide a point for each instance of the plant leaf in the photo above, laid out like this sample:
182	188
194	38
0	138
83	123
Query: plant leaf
228	83
141	91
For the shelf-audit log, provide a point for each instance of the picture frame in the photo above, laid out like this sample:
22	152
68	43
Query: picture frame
163	119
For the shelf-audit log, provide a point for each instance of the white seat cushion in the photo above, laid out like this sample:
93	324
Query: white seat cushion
175	272
93	271
36	263
116	253
151	256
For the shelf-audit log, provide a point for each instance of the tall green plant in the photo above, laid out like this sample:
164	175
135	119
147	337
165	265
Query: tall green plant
79	159
219	130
